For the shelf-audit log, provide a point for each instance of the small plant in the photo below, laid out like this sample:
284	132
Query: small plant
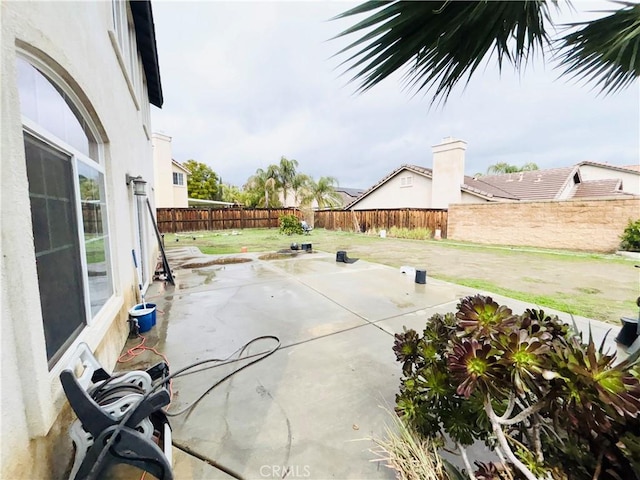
413	233
410	455
630	238
290	225
549	405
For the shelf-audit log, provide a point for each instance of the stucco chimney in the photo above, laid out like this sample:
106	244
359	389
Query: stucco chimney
448	172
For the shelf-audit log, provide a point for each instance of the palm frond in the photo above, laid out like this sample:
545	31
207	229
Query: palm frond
606	50
441	43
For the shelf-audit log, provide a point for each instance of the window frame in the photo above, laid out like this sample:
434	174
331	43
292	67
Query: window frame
180	177
36	131
406	181
94	324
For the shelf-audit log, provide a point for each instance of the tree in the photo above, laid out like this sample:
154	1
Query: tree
503	167
300	187
231	193
203	183
440	43
324	193
262	188
286	173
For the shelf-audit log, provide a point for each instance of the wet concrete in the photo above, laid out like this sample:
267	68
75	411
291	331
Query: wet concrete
310	409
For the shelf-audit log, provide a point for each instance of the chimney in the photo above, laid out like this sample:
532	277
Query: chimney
448	172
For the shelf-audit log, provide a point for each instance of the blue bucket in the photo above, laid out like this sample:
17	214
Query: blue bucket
146	317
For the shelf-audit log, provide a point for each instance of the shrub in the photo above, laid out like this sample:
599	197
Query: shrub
413	234
290	224
631	237
550	405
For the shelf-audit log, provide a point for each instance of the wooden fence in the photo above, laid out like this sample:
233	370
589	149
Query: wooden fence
363	220
174	220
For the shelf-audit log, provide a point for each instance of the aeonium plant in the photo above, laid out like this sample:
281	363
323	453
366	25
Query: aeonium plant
549	405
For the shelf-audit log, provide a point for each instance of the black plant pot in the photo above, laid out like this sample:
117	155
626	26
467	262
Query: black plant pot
629	331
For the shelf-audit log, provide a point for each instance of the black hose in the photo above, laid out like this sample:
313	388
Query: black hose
95	469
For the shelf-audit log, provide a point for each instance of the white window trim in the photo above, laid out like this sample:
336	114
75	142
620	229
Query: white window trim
406	181
61	83
76	156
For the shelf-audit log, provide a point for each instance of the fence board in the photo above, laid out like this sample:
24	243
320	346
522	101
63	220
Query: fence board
363	220
175	220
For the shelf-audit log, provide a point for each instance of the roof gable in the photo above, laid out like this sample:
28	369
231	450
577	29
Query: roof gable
426	172
180	166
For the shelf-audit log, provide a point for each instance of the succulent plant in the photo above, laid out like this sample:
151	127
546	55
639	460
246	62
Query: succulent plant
570	411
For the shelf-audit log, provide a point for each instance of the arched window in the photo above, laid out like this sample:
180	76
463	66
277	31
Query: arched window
68	207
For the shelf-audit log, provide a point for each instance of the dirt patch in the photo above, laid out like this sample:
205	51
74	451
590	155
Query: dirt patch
278	255
217	261
599	289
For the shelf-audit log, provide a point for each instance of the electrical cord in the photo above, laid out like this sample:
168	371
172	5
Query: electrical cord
95	470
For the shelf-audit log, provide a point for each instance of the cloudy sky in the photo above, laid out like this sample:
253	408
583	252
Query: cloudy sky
247	82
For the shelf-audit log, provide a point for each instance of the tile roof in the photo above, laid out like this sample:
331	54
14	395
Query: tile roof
545	184
533	185
351	192
597	188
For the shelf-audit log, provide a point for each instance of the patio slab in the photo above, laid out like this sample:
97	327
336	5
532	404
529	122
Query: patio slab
310	409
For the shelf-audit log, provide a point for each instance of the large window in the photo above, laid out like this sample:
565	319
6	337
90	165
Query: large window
68	209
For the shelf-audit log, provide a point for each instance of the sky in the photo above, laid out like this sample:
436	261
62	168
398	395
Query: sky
246	83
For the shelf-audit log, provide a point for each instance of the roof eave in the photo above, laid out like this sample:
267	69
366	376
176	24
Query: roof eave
146	39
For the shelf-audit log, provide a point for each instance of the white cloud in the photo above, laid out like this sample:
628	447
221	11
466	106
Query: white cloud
247	82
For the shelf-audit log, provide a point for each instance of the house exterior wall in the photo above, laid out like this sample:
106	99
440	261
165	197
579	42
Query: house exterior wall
589	225
630	181
179	193
467	198
397	194
162	171
75	41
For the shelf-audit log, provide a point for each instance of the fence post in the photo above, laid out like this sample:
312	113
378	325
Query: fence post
173	220
269	217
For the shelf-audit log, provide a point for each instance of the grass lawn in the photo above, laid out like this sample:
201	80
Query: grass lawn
597	286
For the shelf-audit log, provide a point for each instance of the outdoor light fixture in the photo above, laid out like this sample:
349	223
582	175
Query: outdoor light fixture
139	185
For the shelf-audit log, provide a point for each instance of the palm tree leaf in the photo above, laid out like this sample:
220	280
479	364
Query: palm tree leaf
441	42
604	51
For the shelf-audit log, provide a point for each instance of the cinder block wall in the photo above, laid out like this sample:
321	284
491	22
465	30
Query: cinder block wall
590	225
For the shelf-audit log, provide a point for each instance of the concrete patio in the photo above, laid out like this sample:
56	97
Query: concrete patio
310	409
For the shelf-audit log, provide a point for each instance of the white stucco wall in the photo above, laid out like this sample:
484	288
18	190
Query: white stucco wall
162	170
630	181
392	194
73	40
179	193
467	198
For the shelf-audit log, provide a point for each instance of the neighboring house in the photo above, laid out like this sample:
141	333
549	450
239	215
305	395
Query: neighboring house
169	174
76	87
349	194
411	186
